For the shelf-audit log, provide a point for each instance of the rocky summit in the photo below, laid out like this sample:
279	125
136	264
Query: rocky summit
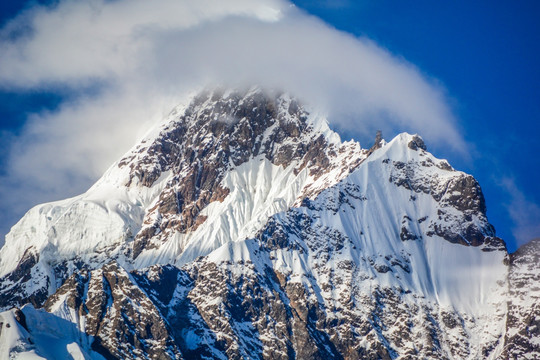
242	227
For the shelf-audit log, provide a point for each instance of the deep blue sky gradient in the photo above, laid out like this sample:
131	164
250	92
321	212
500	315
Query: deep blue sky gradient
485	54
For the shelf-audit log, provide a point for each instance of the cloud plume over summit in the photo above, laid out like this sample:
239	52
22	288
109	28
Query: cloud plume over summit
141	58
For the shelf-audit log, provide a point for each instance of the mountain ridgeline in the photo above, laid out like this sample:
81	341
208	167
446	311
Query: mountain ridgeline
242	227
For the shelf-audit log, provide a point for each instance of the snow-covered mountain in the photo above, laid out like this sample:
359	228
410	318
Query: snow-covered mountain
243	227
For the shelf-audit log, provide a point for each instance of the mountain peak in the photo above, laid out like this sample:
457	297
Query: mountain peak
219	132
243	225
231	126
229	157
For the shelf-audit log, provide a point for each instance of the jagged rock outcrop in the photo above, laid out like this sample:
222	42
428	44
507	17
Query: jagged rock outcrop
112	311
522	339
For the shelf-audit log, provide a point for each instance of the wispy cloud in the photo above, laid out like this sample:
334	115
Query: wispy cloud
525	214
146	55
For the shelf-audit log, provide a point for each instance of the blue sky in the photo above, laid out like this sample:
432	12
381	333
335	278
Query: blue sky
474	63
487	55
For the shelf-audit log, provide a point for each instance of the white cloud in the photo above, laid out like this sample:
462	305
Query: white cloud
524	213
145	55
80	40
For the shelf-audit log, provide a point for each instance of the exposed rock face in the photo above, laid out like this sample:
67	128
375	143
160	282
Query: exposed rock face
459	192
522	340
417	143
116	314
14	284
244	228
